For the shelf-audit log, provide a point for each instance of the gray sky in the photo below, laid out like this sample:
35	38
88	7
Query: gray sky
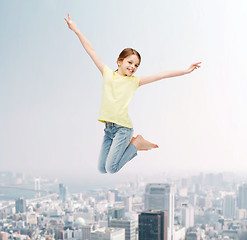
50	90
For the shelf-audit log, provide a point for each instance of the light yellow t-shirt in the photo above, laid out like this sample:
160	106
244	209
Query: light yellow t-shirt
117	93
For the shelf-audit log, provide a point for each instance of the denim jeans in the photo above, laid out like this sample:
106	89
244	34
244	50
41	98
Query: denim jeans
116	151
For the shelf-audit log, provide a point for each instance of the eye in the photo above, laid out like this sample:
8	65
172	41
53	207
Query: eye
129	62
137	65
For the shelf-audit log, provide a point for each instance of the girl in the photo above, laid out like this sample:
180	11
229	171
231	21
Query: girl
119	146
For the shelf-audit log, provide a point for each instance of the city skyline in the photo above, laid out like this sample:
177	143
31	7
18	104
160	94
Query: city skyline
204	207
50	90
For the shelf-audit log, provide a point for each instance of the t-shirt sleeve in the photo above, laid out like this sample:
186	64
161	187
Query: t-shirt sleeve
107	72
137	81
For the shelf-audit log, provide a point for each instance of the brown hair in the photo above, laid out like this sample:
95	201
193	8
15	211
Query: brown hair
127	52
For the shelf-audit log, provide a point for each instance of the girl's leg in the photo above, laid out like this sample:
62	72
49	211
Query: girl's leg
107	141
121	150
119	147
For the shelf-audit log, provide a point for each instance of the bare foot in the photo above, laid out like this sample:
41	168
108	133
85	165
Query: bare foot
132	140
141	144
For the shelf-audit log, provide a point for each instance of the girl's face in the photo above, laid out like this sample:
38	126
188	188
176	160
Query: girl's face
129	65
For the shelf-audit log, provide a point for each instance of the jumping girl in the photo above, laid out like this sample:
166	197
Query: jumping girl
119	147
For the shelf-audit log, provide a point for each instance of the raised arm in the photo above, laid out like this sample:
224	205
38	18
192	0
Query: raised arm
86	44
168	74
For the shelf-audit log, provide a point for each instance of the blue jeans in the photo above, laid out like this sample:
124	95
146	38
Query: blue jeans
116	151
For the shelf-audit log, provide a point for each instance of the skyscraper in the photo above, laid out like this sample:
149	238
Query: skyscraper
187	216
20	205
63	192
229	206
128	204
37	186
111	197
153	225
160	196
242	197
128	225
115	213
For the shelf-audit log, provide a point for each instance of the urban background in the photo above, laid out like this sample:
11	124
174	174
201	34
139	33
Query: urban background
200	207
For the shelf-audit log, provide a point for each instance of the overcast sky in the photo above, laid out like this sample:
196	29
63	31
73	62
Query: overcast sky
50	90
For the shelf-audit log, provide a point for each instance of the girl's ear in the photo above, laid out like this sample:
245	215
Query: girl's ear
119	62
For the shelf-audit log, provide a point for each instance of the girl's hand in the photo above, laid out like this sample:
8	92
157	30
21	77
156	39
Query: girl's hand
193	67
71	25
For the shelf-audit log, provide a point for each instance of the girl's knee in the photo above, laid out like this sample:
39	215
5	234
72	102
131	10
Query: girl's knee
102	170
111	169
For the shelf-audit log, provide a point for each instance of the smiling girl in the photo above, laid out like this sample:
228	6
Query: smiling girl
119	146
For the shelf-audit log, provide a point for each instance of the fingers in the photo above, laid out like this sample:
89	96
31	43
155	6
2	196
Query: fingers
196	65
69	20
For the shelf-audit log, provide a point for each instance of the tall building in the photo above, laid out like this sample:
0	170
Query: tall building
115	213
37	186
20	205
187	216
128	225
63	192
229	206
153	225
128	204
117	197
111	197
108	234
242	197
160	196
